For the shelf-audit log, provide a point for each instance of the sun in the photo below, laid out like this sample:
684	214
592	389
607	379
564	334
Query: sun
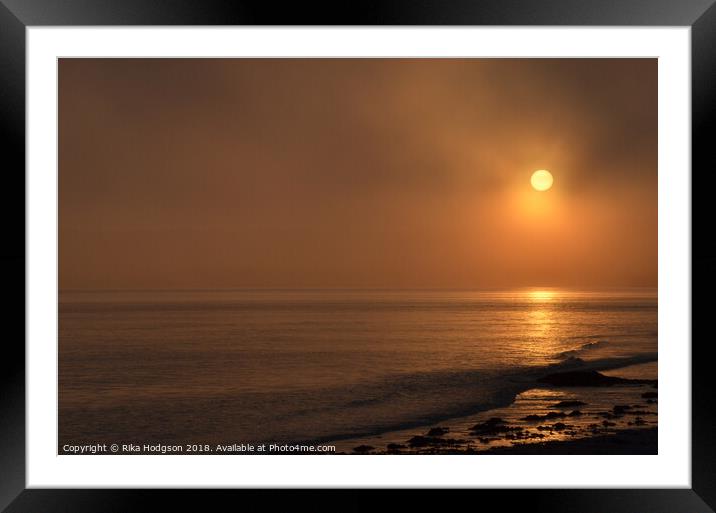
541	180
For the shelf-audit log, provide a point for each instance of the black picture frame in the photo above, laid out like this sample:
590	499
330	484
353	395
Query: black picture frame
17	15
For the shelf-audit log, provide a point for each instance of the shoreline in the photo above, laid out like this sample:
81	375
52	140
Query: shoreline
566	412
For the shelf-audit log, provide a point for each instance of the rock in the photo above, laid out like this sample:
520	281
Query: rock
568	404
493	426
606	423
575	413
362	449
649	395
559	426
620	409
450	441
421	441
425	441
589	378
547	416
554	415
438	431
395	447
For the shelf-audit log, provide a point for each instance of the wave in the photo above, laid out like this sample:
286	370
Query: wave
584	347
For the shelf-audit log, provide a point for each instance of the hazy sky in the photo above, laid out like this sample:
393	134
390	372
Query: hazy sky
385	173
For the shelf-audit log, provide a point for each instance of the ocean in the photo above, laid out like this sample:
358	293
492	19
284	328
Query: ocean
252	366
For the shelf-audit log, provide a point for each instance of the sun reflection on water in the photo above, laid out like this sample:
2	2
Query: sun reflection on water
541	324
541	296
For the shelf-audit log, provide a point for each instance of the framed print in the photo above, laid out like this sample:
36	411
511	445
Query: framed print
406	247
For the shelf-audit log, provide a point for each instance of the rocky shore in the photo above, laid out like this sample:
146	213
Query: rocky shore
574	412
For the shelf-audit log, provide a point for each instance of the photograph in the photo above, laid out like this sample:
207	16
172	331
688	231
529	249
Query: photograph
357	256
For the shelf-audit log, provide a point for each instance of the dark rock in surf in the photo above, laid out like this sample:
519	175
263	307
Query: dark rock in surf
432	441
554	415
420	441
438	431
589	378
620	409
568	404
492	426
547	416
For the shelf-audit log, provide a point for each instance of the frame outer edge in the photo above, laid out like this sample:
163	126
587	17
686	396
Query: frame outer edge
181	500
12	142
12	256
367	12
703	122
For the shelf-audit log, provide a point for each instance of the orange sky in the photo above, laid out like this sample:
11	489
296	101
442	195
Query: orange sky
410	173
